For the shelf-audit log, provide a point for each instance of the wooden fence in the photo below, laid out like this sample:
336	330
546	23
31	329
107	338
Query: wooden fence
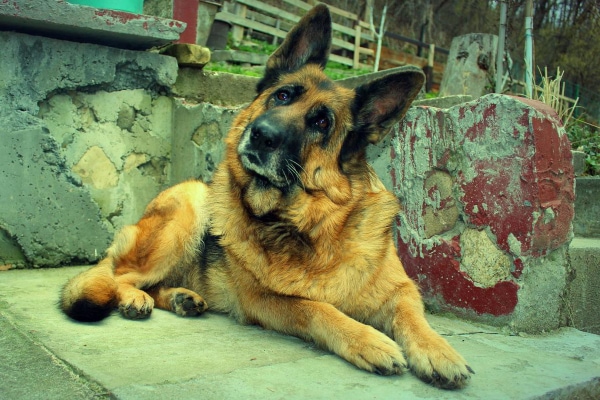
350	37
354	43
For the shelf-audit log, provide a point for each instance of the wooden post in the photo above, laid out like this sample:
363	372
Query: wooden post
428	69
277	26
237	32
186	11
356	60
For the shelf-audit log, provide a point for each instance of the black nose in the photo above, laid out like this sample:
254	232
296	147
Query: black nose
265	135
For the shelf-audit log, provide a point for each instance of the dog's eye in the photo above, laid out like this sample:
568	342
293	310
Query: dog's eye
322	123
283	96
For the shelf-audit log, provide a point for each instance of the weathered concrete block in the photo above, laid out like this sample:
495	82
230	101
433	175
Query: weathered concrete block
45	210
85	145
583	297
117	143
219	88
198	140
504	207
471	65
60	19
587	207
578	162
33	67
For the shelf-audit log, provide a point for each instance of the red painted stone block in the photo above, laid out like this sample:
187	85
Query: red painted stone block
487	192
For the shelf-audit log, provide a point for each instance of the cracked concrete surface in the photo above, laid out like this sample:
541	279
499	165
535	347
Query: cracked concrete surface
45	355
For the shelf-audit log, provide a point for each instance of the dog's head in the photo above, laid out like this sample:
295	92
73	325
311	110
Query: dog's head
306	134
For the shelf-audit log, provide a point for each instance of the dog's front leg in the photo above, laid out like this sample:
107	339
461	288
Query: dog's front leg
360	344
429	355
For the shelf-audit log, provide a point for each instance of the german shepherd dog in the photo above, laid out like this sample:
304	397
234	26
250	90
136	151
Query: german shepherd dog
294	233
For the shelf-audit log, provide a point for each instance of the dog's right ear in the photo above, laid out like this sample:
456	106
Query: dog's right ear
308	42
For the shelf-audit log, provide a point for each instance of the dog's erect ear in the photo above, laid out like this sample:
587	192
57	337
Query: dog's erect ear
379	104
308	42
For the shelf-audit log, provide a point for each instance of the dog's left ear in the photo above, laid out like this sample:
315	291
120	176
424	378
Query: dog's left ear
308	42
379	104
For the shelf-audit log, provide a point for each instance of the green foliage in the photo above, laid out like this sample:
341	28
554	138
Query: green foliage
586	138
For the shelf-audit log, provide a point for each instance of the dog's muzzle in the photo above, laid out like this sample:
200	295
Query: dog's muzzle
266	149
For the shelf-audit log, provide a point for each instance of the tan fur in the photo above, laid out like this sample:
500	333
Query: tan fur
315	260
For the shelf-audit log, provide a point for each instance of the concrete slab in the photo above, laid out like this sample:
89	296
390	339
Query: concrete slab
62	20
212	357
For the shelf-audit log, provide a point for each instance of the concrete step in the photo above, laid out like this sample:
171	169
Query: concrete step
583	294
59	19
44	355
586	222
583	299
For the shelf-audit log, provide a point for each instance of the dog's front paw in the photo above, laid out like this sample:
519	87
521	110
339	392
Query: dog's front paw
136	304
187	303
373	351
436	362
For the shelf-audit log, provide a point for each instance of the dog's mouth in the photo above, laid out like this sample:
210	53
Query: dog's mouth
270	169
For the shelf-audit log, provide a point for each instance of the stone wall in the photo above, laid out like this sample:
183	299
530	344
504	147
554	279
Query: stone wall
90	135
117	144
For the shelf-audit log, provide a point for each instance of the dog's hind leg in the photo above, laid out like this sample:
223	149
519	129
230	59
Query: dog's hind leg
143	256
158	248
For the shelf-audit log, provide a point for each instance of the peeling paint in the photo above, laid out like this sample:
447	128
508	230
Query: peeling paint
508	168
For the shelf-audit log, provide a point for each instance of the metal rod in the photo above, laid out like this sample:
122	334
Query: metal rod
529	48
500	57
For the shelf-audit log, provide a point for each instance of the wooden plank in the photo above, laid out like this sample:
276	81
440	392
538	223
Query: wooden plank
299	4
236	20
342	60
262	7
346	61
279	23
334	10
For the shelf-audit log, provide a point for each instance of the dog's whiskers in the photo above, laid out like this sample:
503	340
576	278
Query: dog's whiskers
292	167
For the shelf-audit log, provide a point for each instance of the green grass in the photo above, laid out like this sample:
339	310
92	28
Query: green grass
234	69
333	70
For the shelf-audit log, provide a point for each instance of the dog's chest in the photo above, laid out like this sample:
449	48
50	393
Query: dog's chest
335	273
